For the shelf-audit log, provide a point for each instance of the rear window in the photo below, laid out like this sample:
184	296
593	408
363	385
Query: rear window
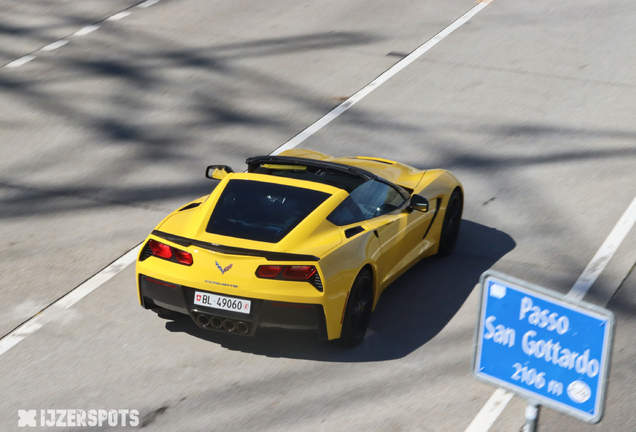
260	211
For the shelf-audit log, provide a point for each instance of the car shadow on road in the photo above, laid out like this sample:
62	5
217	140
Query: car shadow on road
411	312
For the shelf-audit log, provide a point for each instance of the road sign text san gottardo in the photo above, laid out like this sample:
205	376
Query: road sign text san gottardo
540	345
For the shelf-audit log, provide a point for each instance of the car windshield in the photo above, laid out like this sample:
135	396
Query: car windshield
261	211
369	200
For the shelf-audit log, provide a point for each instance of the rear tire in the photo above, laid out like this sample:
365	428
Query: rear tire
452	221
358	311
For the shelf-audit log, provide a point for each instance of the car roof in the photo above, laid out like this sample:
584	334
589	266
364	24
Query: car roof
331	173
289	181
398	173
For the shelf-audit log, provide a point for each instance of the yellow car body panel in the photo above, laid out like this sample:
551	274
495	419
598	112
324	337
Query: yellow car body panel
387	245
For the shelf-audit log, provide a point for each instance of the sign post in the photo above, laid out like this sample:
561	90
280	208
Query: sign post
546	348
532	417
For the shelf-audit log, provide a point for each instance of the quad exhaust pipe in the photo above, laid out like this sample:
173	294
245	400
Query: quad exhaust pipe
203	320
241	327
216	322
229	325
224	324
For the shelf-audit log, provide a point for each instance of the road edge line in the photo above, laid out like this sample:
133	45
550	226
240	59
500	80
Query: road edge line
53	310
50	312
482	423
384	77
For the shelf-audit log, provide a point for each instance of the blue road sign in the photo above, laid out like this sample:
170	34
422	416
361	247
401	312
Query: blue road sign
543	346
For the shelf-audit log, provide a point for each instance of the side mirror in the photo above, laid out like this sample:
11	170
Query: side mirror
218	171
418	203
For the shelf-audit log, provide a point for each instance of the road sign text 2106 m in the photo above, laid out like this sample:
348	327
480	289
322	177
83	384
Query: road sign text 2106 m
547	349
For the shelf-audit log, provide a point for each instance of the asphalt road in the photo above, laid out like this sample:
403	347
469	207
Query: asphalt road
530	104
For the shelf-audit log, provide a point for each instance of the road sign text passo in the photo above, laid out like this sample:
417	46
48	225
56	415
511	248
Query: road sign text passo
542	347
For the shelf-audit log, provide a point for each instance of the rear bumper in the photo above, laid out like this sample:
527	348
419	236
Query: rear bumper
155	293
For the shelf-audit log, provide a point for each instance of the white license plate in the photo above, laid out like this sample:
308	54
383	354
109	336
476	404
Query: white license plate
222	302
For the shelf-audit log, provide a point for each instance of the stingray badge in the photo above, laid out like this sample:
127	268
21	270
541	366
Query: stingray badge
223	270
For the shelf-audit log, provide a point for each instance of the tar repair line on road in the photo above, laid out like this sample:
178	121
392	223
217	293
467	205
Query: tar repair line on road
50	312
500	398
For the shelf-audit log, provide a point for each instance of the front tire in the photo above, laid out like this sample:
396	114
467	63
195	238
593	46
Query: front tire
452	220
358	311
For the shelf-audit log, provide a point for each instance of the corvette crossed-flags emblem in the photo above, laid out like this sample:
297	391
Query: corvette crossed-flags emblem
223	270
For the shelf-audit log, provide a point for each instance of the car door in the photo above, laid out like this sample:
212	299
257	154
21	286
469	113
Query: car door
402	240
390	230
384	209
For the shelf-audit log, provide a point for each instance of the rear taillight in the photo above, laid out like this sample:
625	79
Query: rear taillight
183	257
299	272
269	271
294	272
306	273
170	253
161	250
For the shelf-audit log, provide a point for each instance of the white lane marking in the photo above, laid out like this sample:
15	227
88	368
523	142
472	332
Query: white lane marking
147	3
490	411
54	310
389	73
605	253
19	62
86	30
118	16
55	45
482	422
81	32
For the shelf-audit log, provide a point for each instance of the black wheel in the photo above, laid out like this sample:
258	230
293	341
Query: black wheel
452	220
358	312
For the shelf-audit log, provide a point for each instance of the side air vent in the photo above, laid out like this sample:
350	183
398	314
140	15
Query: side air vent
353	231
317	282
146	252
190	206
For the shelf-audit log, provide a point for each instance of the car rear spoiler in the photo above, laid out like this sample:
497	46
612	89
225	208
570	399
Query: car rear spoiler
231	250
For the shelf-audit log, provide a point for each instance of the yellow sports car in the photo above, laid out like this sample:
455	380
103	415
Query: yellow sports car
301	240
